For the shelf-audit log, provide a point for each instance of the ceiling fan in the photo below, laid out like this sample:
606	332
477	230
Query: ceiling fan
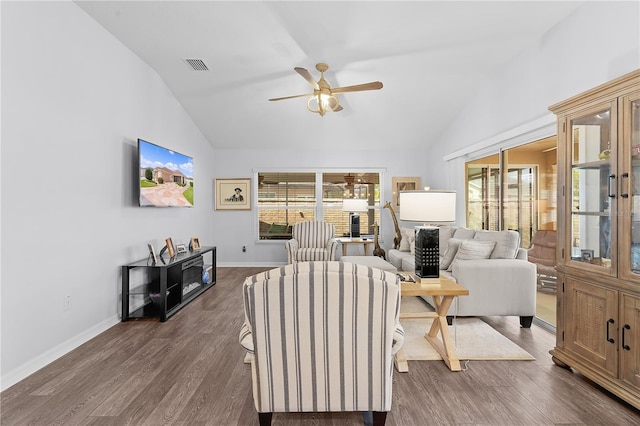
324	97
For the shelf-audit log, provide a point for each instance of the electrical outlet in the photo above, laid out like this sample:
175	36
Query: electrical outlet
66	303
244	249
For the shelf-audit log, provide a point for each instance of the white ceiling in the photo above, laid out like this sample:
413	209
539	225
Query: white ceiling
431	57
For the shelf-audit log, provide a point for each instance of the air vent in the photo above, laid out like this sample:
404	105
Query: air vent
197	64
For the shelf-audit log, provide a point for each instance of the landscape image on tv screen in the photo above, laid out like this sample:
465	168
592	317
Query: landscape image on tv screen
166	177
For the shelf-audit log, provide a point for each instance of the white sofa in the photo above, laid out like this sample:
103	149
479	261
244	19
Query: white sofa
502	282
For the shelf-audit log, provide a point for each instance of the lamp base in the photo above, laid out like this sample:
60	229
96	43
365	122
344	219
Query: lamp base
354	225
427	251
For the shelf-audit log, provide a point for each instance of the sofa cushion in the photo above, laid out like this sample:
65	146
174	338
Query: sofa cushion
464	233
408	235
472	250
395	257
446	232
450	252
507	243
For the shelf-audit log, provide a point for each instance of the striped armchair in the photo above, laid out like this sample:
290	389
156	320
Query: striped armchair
321	337
312	240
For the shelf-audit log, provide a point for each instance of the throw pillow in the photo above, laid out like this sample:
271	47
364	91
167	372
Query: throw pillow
408	235
473	250
507	243
450	253
464	233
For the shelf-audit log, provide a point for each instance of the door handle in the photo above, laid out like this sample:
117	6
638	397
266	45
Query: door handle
622	179
609	339
612	185
625	346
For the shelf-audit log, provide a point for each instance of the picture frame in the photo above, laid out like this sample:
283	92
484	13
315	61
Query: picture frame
152	253
233	194
171	249
181	248
195	244
402	184
586	255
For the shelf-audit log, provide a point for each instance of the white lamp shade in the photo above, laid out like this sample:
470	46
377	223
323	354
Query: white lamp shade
428	206
354	205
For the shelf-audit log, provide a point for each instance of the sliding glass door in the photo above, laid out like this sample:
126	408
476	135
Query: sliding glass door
516	189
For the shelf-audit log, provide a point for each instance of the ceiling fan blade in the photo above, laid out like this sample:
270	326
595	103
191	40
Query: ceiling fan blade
291	97
334	104
307	76
374	85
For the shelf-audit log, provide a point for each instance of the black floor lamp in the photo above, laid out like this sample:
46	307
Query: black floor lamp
428	207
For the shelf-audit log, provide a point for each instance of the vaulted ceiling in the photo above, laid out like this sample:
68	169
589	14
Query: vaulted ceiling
431	57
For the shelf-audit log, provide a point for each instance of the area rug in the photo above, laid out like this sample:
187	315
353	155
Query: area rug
473	339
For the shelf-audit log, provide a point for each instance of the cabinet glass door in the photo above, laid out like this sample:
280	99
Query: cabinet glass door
630	188
592	197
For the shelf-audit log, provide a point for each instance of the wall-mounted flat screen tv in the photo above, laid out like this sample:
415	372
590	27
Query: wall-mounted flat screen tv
166	177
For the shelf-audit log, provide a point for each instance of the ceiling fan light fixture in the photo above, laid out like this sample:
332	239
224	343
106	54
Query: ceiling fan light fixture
321	103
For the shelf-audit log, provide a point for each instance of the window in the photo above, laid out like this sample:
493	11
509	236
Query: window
337	186
286	198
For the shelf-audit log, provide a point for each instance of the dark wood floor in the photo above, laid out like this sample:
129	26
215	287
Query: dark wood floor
189	371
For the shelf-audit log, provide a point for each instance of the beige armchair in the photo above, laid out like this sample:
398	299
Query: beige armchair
321	337
312	240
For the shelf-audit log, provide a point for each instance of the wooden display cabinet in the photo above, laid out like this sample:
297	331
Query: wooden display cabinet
598	324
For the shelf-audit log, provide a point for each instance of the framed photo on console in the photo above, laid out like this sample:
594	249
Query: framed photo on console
402	184
152	253
171	249
195	243
233	194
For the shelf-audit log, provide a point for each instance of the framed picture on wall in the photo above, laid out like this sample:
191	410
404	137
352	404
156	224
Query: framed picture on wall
233	194
399	184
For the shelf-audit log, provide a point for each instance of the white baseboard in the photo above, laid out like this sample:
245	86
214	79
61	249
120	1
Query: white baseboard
14	376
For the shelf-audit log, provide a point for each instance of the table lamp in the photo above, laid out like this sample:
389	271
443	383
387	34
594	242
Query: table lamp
353	206
428	207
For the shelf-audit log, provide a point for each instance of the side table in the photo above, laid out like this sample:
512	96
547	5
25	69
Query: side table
443	291
345	242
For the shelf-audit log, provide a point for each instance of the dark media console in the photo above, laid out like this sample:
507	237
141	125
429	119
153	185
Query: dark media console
171	284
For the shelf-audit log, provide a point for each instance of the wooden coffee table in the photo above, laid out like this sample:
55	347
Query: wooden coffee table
443	291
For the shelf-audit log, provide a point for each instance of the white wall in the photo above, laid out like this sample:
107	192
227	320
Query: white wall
74	101
598	43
